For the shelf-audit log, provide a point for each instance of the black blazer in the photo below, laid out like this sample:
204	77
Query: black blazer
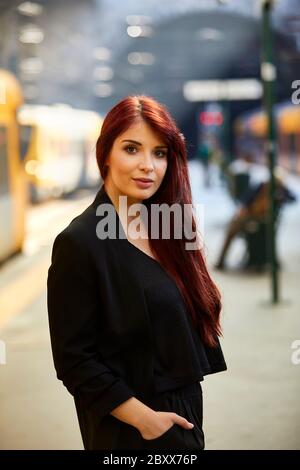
99	326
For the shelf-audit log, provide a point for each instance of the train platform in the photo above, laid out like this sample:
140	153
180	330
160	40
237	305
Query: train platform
253	405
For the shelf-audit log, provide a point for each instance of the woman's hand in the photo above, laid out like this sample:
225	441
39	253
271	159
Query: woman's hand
160	422
150	423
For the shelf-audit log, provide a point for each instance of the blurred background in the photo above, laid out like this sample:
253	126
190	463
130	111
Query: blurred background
229	72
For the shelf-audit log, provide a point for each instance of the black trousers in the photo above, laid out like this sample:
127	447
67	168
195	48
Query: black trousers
185	401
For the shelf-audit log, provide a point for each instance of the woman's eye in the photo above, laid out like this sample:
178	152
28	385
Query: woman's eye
129	148
162	154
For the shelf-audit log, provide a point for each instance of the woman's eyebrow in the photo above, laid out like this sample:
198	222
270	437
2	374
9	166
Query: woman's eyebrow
139	143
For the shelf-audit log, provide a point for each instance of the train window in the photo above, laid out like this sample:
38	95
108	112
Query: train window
25	135
4	185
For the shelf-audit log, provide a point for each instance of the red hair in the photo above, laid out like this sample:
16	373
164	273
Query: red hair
187	267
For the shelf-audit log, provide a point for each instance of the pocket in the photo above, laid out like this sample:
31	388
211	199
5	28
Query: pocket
162	436
194	438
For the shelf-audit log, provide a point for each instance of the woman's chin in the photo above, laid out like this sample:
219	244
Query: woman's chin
139	194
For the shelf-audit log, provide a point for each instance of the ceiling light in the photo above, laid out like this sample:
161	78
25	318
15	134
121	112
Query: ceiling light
31	34
140	58
139	31
30	9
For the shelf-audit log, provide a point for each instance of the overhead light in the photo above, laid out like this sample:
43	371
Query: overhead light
103	90
31	34
236	89
140	58
134	31
101	53
139	31
103	73
30	8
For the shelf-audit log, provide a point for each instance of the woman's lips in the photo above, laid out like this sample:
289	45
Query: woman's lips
143	184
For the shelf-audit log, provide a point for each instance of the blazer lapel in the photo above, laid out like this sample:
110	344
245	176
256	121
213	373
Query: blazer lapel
134	315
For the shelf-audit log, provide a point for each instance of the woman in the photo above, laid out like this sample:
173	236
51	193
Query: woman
134	321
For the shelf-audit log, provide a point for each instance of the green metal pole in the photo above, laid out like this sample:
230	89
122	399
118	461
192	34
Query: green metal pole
268	73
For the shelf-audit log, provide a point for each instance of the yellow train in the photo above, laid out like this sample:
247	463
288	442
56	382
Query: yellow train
251	128
61	143
13	194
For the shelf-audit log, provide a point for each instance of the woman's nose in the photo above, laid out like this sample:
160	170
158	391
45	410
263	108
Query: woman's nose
146	161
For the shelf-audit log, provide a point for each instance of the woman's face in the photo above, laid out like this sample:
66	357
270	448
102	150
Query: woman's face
137	153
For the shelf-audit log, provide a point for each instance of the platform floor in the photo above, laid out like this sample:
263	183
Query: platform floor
253	405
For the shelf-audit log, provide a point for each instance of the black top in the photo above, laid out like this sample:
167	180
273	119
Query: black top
104	321
179	355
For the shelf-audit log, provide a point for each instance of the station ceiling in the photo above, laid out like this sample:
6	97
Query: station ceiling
190	40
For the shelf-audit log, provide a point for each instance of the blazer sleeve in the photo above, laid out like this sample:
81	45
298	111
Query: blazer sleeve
73	308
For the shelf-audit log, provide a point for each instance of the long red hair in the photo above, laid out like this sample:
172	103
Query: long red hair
187	267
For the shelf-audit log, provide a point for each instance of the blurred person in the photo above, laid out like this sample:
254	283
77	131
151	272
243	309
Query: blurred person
238	172
134	322
244	172
255	206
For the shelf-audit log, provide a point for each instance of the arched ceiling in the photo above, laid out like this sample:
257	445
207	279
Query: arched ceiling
197	46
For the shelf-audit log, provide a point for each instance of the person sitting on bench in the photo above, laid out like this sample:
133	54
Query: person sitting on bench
254	205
